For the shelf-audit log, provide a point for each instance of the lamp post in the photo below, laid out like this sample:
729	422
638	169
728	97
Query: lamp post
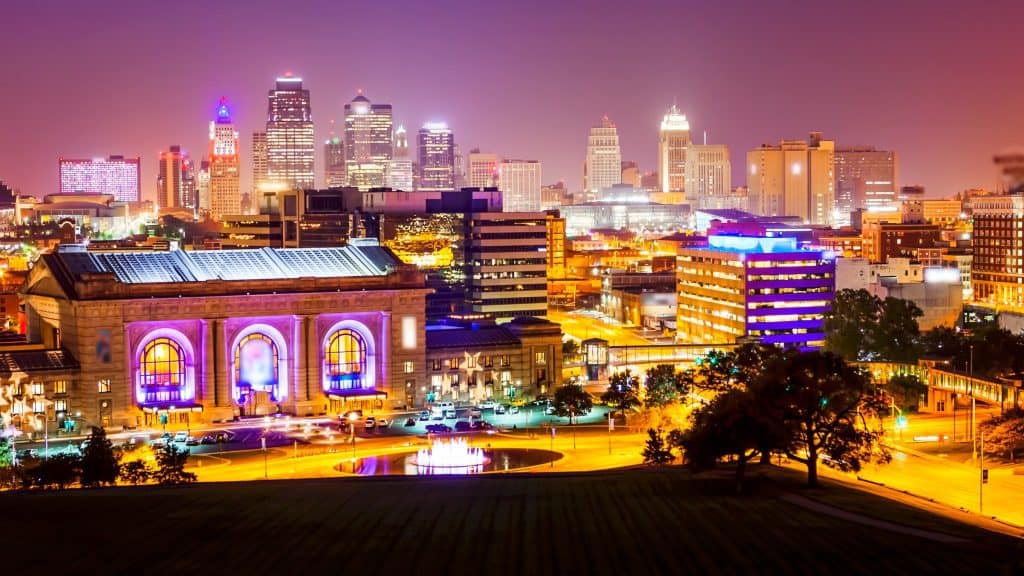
974	415
352	435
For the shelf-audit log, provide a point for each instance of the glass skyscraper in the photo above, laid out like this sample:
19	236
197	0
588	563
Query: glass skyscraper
290	145
368	145
436	149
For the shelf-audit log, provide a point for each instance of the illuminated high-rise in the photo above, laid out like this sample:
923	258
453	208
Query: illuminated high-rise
334	163
795	178
865	178
436	150
603	166
259	161
401	143
368	144
673	140
116	175
482	171
708	176
225	188
290	145
520	184
176	184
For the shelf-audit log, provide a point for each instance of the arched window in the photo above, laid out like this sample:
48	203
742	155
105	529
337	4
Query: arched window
162	370
256	363
345	359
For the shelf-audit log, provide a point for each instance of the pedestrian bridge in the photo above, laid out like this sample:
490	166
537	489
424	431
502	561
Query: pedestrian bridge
947	385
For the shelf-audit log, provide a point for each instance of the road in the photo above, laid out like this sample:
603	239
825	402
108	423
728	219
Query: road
582	327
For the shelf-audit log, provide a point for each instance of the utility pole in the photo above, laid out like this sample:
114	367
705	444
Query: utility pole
981	479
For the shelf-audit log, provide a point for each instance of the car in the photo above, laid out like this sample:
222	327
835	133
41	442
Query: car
191	441
513	409
437	416
208	439
82	446
500	409
180	436
450	414
439	428
424	416
351	415
29	453
487	405
370	423
383	422
224	437
475	412
462	426
480	425
410	422
549	410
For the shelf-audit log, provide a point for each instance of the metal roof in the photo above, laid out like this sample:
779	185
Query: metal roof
466	337
150	267
36	361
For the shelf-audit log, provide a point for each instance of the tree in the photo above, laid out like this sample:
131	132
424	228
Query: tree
100	465
664	386
570	348
895	335
849	324
657	449
623	392
6	452
825	403
572	400
906	391
58	471
1004	433
136	472
171	465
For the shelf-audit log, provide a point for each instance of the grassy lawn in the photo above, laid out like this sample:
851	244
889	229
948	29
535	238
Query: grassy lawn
629	522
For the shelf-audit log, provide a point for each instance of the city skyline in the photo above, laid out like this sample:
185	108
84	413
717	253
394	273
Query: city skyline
971	102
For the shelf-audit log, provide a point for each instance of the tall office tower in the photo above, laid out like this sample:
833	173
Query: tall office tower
631	173
335	174
176	183
708	175
506	261
673	139
460	168
865	178
603	166
225	165
1011	171
290	145
401	143
520	185
795	178
764	289
368	147
116	175
203	186
483	169
259	162
436	149
996	272
399	175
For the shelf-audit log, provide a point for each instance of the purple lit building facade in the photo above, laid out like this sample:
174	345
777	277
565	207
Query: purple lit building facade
203	336
117	176
754	289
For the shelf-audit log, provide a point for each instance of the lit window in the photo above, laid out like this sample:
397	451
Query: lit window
103	386
436	364
256	365
410	367
60	387
540	358
39	406
345	359
60	405
162	363
38	389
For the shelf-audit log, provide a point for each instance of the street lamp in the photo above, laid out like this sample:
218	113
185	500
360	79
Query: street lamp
352	435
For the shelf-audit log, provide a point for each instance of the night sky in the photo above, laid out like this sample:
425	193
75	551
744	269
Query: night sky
941	82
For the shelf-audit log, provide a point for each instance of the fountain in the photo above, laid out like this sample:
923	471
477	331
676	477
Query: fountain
450	457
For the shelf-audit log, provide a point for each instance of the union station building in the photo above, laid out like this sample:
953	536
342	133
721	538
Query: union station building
143	338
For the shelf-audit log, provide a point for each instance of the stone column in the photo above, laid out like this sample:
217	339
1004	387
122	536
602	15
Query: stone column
221	379
385	365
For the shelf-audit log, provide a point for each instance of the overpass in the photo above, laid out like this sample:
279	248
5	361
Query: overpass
946	384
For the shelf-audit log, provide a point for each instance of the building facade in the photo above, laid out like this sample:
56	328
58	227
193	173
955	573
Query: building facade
520	184
436	149
997	271
865	178
290	144
708	175
506	263
206	336
117	176
225	185
368	142
673	141
761	289
482	170
603	165
335	174
795	178
176	184
259	163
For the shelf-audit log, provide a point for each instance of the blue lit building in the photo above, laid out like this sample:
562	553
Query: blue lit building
754	288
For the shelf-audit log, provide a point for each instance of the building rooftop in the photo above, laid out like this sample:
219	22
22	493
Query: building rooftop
35	361
727	213
441	336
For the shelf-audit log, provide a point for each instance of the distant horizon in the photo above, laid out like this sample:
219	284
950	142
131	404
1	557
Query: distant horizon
933	81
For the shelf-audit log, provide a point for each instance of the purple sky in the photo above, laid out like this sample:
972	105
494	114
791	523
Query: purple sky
938	81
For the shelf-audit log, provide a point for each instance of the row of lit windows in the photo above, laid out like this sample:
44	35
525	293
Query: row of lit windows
804	276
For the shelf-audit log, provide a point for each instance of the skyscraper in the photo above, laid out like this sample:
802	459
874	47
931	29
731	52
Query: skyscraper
290	145
708	174
116	175
520	183
401	143
259	160
603	166
483	169
795	178
436	149
176	184
673	139
225	188
368	147
865	178
335	174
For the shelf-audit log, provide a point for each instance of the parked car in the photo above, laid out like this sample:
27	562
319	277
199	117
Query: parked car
191	441
480	425
513	409
383	422
224	437
475	412
424	416
410	422
450	414
208	439
180	436
462	426
549	410
28	453
351	415
439	428
487	404
500	409
370	423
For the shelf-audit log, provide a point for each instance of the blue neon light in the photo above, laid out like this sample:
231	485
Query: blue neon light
754	244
